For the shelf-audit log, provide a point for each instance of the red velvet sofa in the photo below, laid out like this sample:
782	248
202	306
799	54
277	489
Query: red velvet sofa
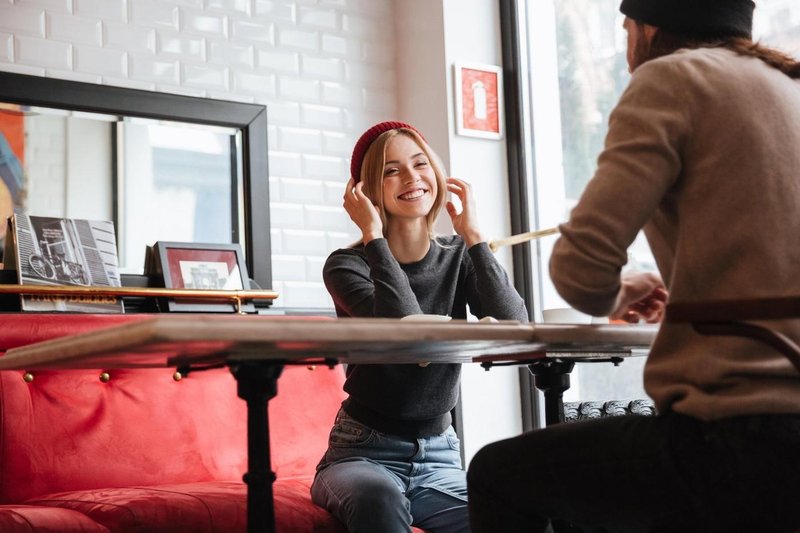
139	451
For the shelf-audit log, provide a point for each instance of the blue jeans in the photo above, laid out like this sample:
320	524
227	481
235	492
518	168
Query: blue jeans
378	483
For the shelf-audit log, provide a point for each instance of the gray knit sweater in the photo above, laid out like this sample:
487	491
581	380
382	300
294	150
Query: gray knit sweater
367	281
703	151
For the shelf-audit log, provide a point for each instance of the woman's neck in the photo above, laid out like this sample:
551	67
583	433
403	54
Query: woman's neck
409	241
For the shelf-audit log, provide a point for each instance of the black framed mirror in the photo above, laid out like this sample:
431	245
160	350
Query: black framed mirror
237	130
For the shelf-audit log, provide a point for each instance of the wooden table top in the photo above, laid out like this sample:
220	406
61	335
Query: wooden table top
181	340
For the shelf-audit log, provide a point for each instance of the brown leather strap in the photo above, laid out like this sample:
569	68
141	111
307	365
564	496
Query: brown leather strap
729	310
725	317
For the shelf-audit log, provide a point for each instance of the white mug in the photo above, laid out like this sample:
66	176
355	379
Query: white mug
568	315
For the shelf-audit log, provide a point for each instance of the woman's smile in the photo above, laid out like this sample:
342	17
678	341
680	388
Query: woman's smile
414	194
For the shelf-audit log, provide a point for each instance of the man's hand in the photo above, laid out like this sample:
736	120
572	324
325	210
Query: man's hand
642	296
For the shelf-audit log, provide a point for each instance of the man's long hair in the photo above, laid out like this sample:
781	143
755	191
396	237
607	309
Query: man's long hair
665	43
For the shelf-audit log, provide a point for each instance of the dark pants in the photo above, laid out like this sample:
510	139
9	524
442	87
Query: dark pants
640	473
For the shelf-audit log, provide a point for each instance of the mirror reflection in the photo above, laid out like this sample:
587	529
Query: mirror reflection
155	179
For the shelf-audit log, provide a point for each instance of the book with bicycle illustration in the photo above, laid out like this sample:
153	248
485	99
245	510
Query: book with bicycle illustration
63	251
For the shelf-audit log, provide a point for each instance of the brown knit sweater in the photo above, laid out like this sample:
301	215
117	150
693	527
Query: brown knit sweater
703	151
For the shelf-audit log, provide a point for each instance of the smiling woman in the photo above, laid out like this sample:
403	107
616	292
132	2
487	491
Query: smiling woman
401	269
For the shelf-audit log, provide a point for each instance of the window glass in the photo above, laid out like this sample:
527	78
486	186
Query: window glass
777	23
575	51
185	177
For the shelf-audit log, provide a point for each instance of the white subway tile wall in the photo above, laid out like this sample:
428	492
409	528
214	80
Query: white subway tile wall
42	53
323	68
107	10
22	20
70	28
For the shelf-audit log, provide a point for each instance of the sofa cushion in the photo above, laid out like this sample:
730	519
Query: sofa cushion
218	506
33	518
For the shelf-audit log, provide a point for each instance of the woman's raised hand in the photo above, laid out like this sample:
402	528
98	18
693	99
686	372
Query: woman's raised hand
362	211
466	222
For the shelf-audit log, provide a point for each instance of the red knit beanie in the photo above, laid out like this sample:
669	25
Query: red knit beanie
367	138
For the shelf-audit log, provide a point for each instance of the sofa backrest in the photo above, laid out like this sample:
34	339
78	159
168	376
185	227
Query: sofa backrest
69	430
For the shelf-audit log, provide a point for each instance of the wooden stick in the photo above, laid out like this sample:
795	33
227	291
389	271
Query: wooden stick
495	244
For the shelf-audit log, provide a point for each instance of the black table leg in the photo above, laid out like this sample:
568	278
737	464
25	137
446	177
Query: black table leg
257	383
552	378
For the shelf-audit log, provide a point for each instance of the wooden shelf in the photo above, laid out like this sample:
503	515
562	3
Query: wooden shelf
214	295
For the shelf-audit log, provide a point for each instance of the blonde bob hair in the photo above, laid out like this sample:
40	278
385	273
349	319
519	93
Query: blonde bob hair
372	174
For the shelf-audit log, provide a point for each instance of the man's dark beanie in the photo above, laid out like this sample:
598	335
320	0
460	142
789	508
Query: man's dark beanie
694	18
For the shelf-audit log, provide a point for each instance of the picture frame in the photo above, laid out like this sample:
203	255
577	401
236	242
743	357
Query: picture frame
192	265
479	100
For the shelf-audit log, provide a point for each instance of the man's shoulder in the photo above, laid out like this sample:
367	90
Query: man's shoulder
706	54
694	73
695	62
